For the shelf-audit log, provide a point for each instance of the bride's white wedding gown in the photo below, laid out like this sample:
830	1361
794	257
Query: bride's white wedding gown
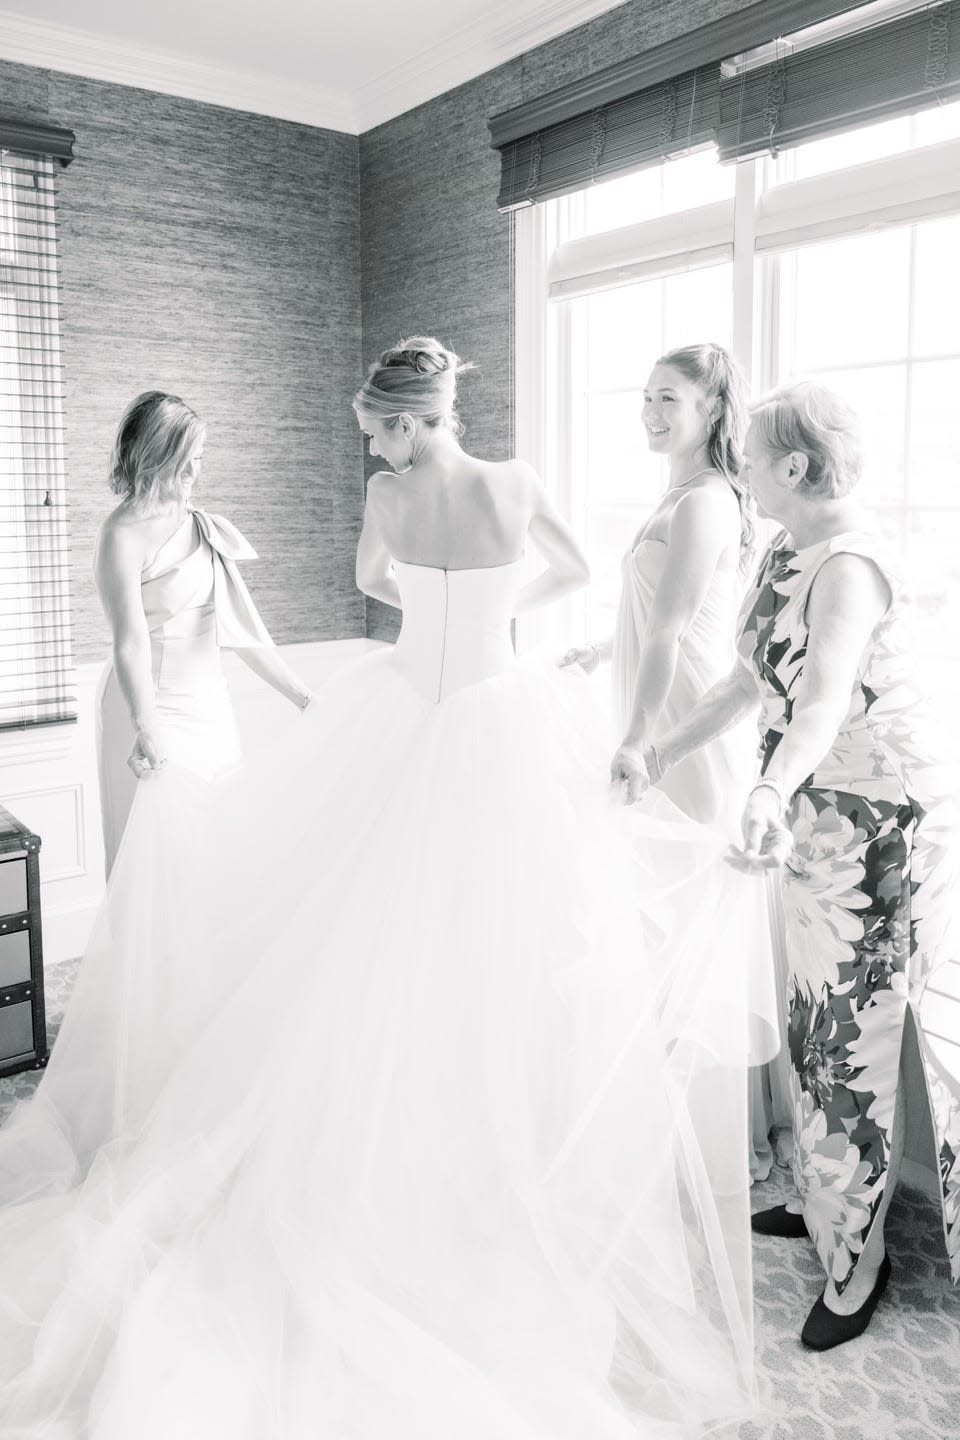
402	1096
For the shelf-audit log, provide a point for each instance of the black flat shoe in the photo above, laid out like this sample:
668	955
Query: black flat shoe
824	1328
778	1220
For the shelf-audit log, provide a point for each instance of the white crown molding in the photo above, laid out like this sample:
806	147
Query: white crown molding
496	35
79	52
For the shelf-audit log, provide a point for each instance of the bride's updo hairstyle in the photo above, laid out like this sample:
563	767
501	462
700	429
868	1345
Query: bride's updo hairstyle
415	377
714	371
153	443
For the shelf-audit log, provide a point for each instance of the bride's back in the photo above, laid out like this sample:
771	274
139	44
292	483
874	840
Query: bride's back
458	513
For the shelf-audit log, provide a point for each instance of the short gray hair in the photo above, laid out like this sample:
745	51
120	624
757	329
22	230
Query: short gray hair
818	423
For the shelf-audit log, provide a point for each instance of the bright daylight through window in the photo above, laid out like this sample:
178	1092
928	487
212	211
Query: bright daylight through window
836	260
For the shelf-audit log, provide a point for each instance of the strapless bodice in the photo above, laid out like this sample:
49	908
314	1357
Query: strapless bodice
456	625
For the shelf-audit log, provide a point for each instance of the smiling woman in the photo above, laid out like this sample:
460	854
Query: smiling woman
683	577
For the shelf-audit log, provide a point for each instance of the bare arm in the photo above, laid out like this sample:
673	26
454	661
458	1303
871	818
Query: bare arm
699	533
567	567
375	575
117	566
589	656
265	661
724	705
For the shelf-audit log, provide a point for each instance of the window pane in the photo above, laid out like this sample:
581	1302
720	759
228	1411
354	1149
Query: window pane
937	321
877	394
854	147
623	483
843	307
932	562
620	470
697	179
623	329
626	201
698	306
852	299
940	122
870	142
934	447
693	180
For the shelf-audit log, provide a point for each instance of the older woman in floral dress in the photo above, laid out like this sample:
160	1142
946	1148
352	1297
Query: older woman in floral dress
856	805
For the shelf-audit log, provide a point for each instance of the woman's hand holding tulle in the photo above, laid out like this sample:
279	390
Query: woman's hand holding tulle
767	842
148	756
629	769
586	656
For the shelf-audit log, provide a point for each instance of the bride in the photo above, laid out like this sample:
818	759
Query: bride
404	1090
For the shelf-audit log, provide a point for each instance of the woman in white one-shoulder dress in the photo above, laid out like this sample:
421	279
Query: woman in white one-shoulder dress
171	590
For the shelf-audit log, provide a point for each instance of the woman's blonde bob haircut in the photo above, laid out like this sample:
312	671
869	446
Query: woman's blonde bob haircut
154	441
816	422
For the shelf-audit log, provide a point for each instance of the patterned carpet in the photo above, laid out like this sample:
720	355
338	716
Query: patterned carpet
900	1381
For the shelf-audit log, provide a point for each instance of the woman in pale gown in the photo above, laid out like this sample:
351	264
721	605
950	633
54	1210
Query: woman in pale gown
454	1150
171	590
684	578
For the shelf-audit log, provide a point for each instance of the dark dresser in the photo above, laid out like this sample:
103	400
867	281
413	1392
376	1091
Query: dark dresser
23	1025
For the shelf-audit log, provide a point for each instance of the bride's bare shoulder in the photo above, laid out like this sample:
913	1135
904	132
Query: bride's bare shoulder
517	474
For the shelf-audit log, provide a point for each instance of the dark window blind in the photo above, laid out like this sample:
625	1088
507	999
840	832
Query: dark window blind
35	650
626	135
645	109
904	65
659	105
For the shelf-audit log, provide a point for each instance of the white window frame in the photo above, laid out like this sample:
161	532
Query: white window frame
555	262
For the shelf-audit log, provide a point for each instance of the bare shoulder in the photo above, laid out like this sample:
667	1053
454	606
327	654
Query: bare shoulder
124	533
845	581
381	490
381	484
520	478
708	503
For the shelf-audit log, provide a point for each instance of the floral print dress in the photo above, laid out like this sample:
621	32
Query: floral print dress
870	900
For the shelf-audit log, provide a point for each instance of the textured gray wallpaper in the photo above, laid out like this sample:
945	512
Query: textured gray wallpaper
436	255
225	256
215	254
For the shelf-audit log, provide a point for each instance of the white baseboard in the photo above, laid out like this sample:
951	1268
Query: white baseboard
66	932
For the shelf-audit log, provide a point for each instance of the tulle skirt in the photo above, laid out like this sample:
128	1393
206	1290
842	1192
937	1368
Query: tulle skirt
402	1094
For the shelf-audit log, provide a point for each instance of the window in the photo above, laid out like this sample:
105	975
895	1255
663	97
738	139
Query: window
35	653
834	261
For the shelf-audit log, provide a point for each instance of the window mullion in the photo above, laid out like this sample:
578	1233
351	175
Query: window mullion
908	386
744	250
